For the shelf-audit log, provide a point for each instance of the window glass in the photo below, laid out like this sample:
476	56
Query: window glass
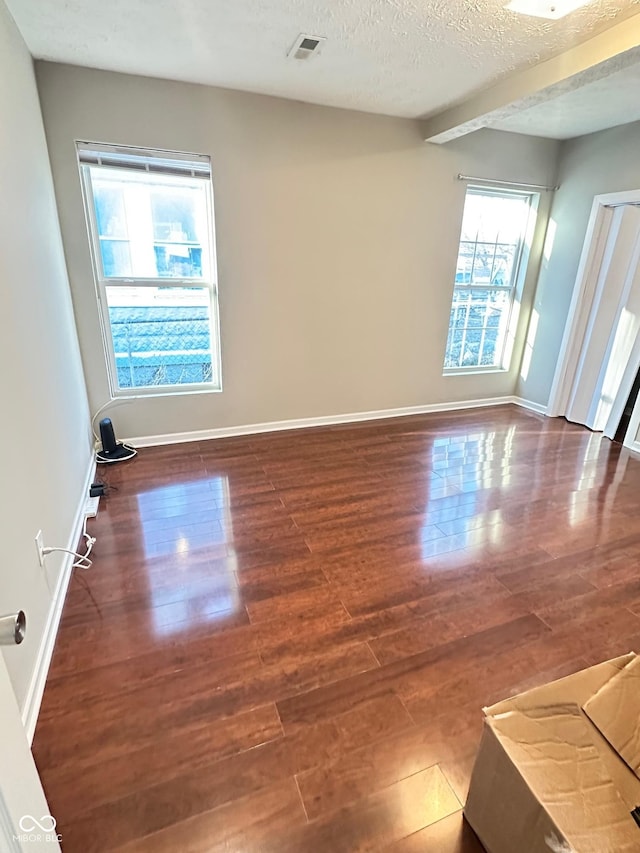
160	335
494	227
151	227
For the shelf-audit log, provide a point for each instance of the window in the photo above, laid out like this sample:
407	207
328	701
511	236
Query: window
150	217
491	264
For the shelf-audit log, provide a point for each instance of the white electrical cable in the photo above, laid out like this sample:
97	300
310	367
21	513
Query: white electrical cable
99	412
82	561
102	460
114	401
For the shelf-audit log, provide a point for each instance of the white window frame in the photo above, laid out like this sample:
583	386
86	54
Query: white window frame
514	288
208	283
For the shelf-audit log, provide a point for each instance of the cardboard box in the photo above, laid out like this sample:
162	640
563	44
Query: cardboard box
547	780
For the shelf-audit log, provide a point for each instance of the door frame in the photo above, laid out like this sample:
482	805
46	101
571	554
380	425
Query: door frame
584	290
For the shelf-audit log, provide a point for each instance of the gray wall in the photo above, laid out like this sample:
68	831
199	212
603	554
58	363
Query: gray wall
603	162
337	237
44	430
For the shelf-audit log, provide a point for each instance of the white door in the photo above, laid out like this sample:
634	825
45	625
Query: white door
624	361
26	826
608	364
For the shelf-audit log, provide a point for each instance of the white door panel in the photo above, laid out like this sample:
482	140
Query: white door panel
604	370
26	825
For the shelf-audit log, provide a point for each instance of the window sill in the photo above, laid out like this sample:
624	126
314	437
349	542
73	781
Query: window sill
468	371
141	394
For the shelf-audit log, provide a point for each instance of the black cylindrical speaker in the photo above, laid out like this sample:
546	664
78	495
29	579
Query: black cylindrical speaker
112	451
107	436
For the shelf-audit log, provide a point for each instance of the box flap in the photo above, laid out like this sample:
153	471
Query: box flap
553	749
577	688
615	711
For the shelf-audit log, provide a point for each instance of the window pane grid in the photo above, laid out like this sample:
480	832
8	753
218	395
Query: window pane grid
477	327
491	244
152	240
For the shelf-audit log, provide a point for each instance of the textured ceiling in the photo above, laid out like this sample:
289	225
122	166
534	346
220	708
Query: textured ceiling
595	106
396	57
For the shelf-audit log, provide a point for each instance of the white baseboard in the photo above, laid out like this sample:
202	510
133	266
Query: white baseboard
529	404
33	698
329	420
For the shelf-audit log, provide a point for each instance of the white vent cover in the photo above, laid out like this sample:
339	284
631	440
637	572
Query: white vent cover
305	46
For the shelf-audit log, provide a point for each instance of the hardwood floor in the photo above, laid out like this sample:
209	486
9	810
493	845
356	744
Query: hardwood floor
286	639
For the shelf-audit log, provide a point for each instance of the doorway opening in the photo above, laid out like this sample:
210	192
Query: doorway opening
629	406
597	380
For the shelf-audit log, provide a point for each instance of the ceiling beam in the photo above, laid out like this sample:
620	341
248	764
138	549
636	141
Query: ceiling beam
604	54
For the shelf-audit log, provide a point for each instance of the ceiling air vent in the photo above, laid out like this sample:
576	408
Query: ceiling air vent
305	47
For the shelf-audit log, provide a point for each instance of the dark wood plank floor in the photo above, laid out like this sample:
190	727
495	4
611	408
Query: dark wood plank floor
286	640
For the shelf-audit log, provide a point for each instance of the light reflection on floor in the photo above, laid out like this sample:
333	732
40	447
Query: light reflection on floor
467	470
215	593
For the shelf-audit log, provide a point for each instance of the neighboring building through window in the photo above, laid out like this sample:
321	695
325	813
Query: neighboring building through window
150	216
491	264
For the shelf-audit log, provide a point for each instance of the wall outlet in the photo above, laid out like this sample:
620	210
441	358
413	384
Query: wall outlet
40	547
91	507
